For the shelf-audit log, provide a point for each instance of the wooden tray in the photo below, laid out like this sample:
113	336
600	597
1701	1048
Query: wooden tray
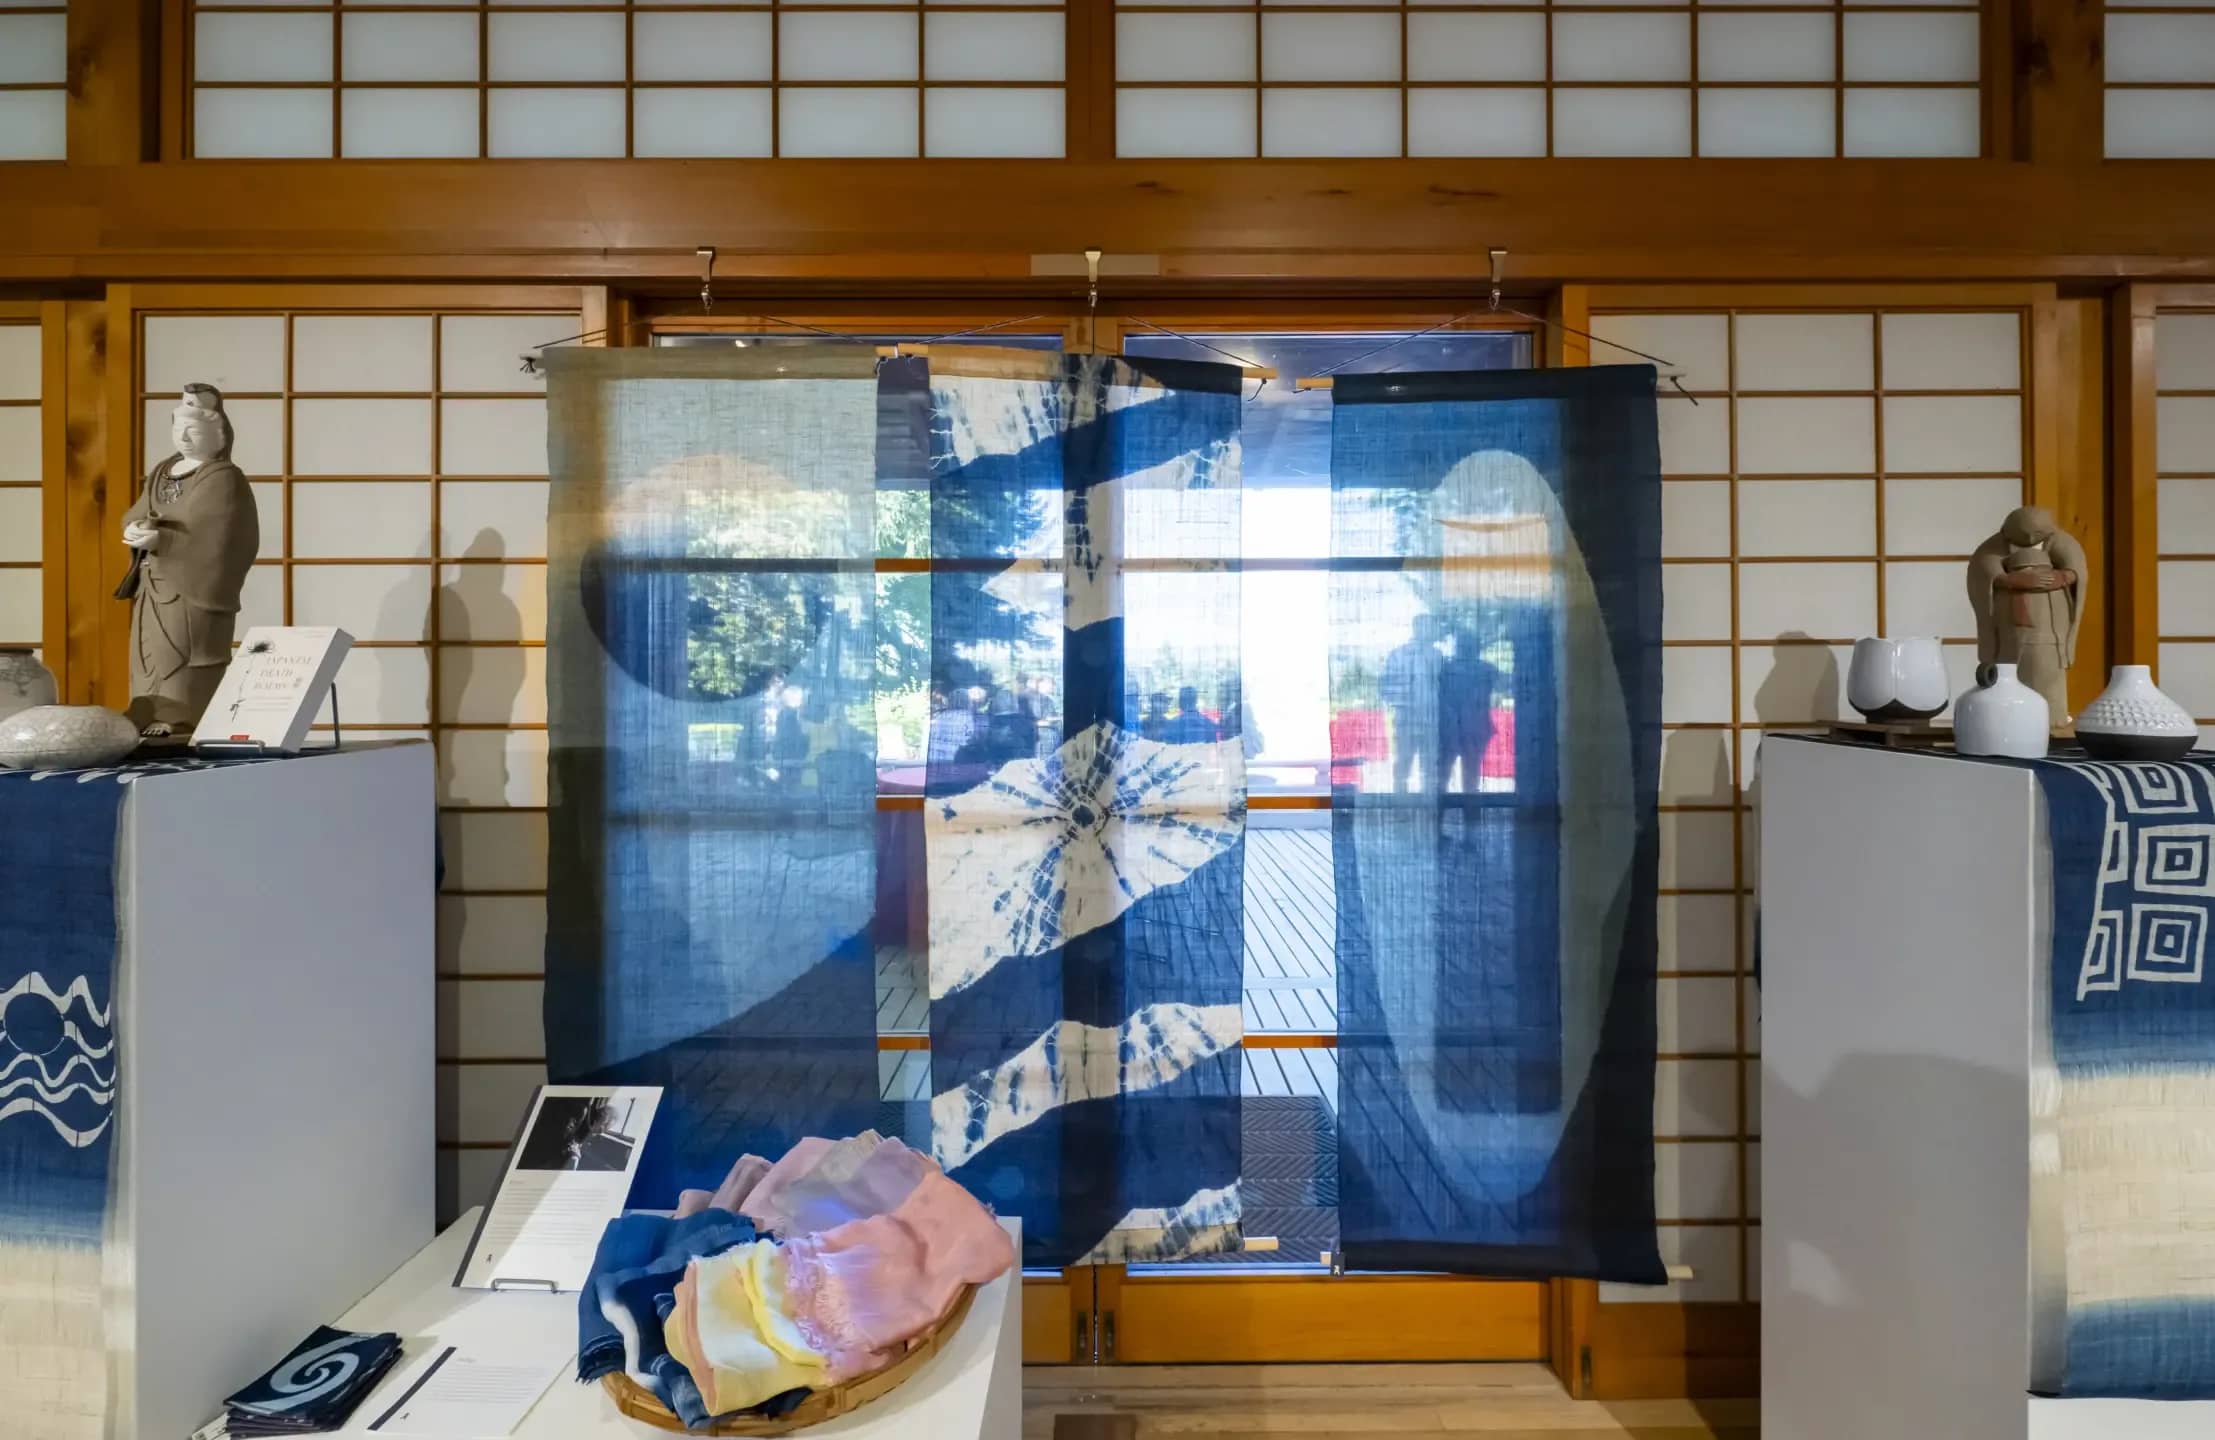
638	1402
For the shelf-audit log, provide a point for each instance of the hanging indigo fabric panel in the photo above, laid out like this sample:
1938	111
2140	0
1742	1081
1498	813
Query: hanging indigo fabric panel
1495	683
58	1083
711	658
1085	798
2123	1086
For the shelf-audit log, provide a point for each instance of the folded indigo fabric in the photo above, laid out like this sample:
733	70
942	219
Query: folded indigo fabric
316	1387
860	1292
630	1246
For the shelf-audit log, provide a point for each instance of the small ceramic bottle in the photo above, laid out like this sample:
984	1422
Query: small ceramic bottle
24	682
2134	721
2004	717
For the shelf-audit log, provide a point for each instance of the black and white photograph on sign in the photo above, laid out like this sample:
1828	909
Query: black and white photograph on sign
580	1132
567	1175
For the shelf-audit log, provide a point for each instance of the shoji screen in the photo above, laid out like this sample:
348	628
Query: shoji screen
34	67
2184	510
22	546
1407	77
2160	79
773	77
399	463
1829	483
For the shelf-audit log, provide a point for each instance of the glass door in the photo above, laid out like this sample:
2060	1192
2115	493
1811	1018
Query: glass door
1283	1298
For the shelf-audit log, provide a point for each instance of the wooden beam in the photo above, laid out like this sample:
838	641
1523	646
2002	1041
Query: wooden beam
2134	534
2069	459
1312	224
114	464
114	68
89	524
2058	74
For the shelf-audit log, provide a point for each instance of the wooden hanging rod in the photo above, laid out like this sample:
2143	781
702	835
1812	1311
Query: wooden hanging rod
894	352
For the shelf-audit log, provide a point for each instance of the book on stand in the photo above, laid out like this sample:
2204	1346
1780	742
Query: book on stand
274	688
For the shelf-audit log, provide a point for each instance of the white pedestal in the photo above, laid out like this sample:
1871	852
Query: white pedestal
1905	906
973	1386
276	1136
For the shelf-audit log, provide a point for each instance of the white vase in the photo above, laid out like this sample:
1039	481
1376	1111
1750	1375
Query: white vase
2133	721
24	682
2005	717
65	737
1892	680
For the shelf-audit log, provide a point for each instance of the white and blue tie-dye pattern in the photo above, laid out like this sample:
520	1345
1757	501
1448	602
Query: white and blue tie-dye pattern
1073	1062
39	1078
1046	850
1207	1224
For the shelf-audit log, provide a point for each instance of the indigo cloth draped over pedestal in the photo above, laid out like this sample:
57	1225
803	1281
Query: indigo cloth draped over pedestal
1085	797
1495	682
712	869
57	1094
2123	1086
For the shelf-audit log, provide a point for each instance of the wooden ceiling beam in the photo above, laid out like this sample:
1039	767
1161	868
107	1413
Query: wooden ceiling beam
975	225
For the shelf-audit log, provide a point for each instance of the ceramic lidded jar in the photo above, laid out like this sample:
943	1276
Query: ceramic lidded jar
1897	680
2134	721
24	682
2004	717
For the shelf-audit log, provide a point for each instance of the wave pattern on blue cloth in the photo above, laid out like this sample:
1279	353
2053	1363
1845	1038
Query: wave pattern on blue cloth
2123	1090
711	727
1086	846
1495	690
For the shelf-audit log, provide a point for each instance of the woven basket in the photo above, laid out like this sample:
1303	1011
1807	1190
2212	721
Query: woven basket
638	1402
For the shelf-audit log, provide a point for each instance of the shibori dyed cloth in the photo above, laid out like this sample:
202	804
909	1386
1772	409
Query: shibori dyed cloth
2123	1086
57	1097
711	662
1496	612
1085	797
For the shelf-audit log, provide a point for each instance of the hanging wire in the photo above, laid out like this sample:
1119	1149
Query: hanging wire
1261	383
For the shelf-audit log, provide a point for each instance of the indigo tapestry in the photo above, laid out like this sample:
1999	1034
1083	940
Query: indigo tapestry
2122	1155
712	811
1085	798
58	1086
1496	620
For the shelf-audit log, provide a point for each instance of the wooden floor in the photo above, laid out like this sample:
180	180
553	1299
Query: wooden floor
1315	1402
1291	975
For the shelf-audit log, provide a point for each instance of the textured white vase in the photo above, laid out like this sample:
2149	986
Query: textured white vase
24	682
1892	680
2005	717
2134	721
65	737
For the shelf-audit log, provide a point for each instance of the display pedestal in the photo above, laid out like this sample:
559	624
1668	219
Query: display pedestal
272	984
1905	913
973	1386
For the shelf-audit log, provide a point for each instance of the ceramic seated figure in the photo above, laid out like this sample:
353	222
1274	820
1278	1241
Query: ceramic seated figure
194	533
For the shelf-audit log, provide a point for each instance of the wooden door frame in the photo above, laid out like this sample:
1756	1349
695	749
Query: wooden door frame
2133	558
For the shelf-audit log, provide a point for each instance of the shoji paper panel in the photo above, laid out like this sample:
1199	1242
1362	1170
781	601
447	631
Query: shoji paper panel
399	464
2184	455
1787	533
22	609
1556	78
34	65
2160	82
465	78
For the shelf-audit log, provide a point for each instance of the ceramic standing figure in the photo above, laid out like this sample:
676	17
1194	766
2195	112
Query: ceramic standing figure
194	534
2027	585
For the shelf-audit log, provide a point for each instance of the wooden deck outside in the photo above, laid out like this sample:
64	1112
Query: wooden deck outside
1291	974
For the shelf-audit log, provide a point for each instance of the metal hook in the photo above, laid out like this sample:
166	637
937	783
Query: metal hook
1499	268
707	278
1092	301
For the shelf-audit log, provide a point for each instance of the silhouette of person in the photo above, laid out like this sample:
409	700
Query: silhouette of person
1154	724
1466	685
1191	726
1410	691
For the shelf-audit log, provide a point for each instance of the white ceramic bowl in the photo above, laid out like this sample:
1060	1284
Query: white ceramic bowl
65	737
